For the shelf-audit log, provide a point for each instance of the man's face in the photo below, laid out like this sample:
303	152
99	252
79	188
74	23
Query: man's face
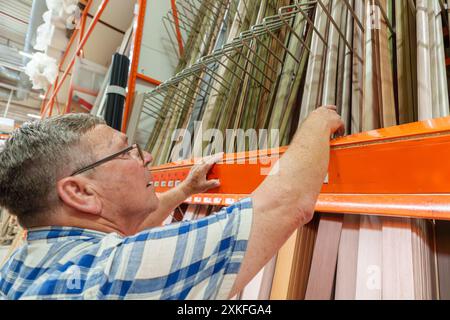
123	184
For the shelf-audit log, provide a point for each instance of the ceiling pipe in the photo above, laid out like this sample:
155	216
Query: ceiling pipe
38	8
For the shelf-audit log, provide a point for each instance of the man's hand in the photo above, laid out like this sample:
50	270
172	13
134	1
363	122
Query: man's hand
196	181
329	115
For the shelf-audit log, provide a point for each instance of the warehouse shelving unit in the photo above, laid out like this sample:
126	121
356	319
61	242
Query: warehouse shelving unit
394	172
367	173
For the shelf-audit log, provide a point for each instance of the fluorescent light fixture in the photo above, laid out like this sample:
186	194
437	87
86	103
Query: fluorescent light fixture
35	116
6	125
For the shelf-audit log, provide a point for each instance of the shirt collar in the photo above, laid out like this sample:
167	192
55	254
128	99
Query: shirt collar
62	232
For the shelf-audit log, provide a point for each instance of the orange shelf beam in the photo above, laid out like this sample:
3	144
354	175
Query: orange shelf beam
84	17
148	79
420	206
82	27
138	32
177	27
63	59
397	171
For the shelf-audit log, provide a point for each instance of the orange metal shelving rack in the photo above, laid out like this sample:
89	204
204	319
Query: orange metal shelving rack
398	171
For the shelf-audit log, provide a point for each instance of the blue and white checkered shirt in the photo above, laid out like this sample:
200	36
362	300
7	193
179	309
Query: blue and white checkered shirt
188	260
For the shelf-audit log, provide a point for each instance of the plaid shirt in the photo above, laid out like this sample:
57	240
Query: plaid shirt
188	260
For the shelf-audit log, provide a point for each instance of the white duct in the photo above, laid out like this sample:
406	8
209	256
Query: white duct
42	70
51	38
43	36
51	35
66	11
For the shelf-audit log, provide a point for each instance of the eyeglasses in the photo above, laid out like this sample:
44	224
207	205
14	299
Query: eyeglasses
134	151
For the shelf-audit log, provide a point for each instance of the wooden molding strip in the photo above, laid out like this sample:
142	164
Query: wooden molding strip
323	266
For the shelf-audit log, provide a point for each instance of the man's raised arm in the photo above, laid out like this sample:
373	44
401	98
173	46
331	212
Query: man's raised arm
286	199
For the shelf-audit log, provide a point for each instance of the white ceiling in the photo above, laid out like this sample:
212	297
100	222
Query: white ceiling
14	15
118	13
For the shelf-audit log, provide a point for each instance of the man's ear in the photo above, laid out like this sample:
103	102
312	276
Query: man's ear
78	193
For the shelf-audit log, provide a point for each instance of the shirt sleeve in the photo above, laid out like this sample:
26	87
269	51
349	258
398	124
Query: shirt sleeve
188	260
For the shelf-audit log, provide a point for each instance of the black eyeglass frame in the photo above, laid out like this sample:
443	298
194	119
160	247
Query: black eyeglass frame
111	157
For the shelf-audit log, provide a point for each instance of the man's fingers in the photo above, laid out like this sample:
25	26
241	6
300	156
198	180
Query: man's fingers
213	183
340	132
212	160
331	107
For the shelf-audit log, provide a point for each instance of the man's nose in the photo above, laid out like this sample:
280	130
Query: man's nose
148	158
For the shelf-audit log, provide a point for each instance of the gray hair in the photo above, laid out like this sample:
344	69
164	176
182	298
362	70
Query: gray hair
35	157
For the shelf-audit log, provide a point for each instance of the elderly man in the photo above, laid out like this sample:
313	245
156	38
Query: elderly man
87	201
